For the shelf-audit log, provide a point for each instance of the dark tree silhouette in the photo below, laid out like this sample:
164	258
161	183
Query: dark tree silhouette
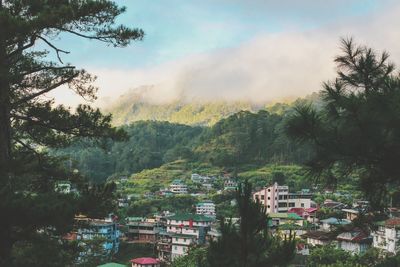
357	131
30	122
249	244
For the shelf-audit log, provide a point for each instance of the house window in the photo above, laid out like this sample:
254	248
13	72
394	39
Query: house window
269	190
262	197
269	198
302	205
268	206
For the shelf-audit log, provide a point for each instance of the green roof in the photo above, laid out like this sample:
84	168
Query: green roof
289	216
135	219
112	264
189	216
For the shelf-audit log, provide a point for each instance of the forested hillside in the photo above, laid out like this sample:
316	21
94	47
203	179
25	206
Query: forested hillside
133	107
242	138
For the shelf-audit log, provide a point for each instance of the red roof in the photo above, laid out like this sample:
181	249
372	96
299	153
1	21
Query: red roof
393	222
311	210
145	261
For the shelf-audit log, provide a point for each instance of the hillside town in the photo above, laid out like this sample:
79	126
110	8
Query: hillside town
173	233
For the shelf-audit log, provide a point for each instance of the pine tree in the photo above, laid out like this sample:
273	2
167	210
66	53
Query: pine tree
357	130
29	122
249	244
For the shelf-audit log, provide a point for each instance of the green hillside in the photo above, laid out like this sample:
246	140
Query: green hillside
133	107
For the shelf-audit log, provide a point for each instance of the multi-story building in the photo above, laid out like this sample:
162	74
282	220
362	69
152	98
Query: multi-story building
143	230
205	208
387	236
178	187
197	178
187	230
230	185
90	229
277	198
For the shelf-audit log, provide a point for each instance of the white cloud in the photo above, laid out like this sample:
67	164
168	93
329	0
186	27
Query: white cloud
268	67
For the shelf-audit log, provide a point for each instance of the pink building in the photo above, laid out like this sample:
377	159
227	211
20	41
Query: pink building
145	262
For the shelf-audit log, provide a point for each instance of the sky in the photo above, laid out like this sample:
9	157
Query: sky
257	50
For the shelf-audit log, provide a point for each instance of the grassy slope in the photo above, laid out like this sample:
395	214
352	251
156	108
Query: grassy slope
154	179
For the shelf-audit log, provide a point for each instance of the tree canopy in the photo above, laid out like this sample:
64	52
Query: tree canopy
357	131
30	121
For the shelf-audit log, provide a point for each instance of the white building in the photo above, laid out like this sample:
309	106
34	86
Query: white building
387	236
187	230
63	187
277	198
178	187
206	208
355	242
197	178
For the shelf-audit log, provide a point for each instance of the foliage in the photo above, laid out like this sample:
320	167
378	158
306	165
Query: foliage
247	137
249	244
149	145
196	257
330	256
357	130
148	207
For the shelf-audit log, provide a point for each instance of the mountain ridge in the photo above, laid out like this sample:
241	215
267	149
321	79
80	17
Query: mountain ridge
139	104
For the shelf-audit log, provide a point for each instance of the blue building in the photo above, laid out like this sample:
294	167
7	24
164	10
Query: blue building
107	229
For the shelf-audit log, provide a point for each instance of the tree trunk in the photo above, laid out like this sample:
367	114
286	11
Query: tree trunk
5	135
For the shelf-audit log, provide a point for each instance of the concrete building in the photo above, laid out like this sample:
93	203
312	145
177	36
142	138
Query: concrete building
355	242
277	198
142	230
187	230
387	236
89	229
178	187
230	185
205	208
315	238
332	223
351	214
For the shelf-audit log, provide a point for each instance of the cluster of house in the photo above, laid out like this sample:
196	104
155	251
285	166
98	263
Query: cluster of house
173	234
179	187
296	212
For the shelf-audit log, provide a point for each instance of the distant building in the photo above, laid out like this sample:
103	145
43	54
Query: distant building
387	236
63	187
332	223
276	219
277	198
355	241
187	230
145	262
314	238
205	208
197	178
330	204
88	229
143	231
309	214
351	214
230	185
178	187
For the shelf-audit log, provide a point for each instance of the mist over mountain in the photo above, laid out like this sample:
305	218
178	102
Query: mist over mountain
143	103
